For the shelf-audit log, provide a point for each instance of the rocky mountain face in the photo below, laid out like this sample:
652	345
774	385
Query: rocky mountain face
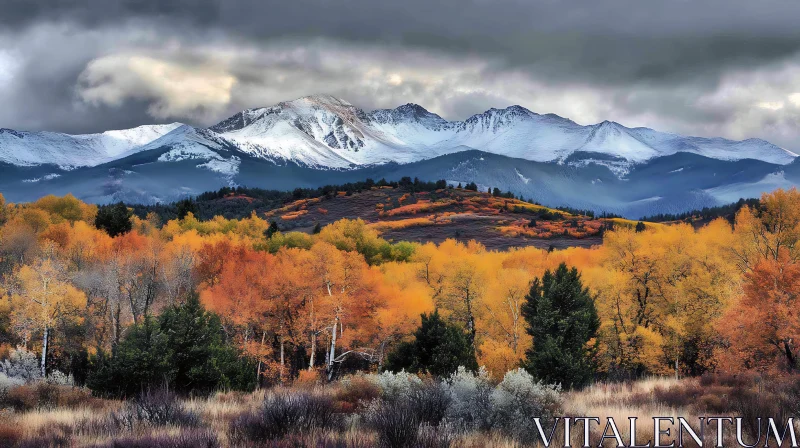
321	139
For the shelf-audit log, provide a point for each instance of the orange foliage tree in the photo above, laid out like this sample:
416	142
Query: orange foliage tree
671	298
762	328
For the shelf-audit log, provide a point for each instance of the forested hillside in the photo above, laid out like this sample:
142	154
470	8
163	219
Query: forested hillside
340	299
99	303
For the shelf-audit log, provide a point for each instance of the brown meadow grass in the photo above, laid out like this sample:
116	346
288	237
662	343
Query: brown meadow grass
92	423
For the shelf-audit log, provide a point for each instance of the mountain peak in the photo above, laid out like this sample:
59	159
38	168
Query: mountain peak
412	108
408	113
609	124
518	109
319	100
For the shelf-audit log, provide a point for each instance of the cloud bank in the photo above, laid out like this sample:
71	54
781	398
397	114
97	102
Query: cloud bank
715	68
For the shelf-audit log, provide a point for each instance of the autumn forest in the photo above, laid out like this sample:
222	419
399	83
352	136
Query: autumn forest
109	303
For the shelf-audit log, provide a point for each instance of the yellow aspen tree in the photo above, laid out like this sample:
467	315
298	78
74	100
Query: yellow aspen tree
42	297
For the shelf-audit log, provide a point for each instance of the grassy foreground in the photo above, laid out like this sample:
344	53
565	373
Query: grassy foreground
392	410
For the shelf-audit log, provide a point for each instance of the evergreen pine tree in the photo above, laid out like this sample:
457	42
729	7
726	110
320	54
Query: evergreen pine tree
183	349
184	207
562	319
115	219
139	361
438	348
271	230
201	360
640	227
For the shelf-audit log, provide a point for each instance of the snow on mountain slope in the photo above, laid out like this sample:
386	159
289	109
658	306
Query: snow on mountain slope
318	131
211	151
609	136
715	148
323	131
70	151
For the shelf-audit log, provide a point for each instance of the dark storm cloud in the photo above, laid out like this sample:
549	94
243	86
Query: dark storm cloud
614	41
670	64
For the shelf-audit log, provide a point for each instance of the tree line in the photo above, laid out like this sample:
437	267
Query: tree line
96	292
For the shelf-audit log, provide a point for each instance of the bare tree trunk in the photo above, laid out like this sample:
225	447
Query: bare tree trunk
133	308
332	355
313	324
258	371
44	351
283	362
313	351
118	324
380	356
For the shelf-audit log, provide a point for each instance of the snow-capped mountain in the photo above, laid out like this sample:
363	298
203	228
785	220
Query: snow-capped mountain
323	131
319	140
71	151
211	151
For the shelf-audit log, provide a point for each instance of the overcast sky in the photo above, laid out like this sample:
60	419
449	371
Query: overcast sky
726	68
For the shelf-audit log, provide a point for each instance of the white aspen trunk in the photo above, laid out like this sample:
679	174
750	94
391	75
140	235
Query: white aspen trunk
332	354
313	351
313	323
258	372
283	364
44	351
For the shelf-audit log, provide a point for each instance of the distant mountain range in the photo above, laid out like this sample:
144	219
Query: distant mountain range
320	139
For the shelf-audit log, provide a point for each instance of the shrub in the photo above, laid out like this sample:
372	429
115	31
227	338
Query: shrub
518	399
408	403
7	383
21	365
789	393
395	385
396	423
10	434
52	441
430	402
54	435
59	378
184	439
22	398
470	395
154	408
25	397
435	437
356	391
285	413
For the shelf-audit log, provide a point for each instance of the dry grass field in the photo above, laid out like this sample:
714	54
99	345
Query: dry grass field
382	410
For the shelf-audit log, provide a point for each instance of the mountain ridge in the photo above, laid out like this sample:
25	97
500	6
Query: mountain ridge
325	132
314	141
